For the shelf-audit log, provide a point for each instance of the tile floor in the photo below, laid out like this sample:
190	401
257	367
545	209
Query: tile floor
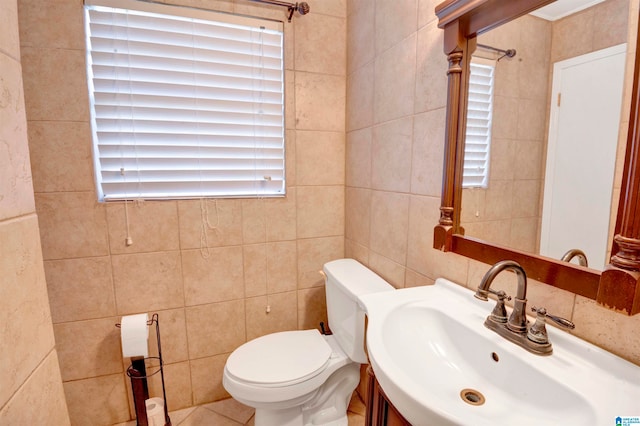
229	412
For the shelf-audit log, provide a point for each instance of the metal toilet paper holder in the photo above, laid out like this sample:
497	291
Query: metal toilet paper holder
137	372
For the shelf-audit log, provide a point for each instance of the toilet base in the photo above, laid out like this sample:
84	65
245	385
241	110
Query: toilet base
327	408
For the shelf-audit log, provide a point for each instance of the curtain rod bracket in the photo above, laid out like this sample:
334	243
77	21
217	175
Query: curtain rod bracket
302	8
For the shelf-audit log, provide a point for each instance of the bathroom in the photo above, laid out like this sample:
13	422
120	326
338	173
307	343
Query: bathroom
366	91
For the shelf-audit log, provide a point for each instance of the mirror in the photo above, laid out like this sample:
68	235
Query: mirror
618	286
519	205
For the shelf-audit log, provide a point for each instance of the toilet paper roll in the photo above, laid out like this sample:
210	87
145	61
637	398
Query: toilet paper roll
155	411
134	333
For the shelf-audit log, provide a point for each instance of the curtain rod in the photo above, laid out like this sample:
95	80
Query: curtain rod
302	8
509	53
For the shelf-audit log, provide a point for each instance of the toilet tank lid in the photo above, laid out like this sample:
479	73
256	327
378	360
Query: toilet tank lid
355	278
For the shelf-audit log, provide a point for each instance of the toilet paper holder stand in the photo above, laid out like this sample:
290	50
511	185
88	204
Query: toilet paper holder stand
137	372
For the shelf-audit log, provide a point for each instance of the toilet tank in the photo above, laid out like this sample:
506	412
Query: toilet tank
346	279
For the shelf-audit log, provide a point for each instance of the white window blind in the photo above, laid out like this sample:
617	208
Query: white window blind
479	114
185	103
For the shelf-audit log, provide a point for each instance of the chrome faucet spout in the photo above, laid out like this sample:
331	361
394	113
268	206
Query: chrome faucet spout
582	258
518	320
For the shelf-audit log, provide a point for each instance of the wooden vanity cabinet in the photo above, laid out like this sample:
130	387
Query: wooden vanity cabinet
380	411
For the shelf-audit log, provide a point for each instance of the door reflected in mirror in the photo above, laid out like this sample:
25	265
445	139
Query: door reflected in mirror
513	208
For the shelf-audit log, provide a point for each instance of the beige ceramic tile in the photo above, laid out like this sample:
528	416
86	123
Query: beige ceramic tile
360	98
80	289
289	107
524	234
358	161
89	348
61	156
360	38
395	21
390	225
391	156
427	153
415	279
254	222
36	30
24	309
173	335
232	409
426	12
212	276
312	308
506	128
210	223
206	377
329	7
152	226
526	194
147	282
572	36
612	23
177	379
431	70
263	10
282	315
446	265
358	215
282	266
529	160
359	252
15	172
503	154
320	44
89	404
313	253
531	119
395	76
499	200
202	416
390	271
9	42
55	84
320	102
215	328
320	158
613	331
255	269
280	214
72	224
40	400
320	211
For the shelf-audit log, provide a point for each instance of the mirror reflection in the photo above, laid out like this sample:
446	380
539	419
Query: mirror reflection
551	139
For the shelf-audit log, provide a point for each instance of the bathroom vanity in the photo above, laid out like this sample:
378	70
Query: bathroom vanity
380	410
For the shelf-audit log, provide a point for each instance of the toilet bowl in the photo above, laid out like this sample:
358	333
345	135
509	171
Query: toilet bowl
304	378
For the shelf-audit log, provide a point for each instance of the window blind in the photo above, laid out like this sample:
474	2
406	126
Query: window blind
185	103
478	133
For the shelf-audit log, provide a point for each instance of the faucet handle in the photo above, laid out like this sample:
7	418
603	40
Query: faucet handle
562	322
499	313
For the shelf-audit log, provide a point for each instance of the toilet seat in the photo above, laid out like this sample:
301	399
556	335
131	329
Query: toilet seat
280	359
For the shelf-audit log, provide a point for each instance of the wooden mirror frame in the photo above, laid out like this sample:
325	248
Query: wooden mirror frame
618	286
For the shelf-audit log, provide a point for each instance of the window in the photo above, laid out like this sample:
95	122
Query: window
185	103
479	114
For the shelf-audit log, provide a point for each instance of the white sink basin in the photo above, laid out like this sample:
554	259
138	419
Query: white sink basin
435	360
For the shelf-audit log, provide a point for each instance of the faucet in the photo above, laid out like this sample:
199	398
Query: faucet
514	329
582	258
518	320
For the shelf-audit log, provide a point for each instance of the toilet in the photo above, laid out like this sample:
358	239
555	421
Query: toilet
304	378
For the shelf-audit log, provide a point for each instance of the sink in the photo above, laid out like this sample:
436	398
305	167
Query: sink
438	364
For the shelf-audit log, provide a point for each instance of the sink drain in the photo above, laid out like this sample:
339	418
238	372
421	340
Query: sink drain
472	396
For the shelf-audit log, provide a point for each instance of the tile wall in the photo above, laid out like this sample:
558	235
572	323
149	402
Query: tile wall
30	386
208	268
396	97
